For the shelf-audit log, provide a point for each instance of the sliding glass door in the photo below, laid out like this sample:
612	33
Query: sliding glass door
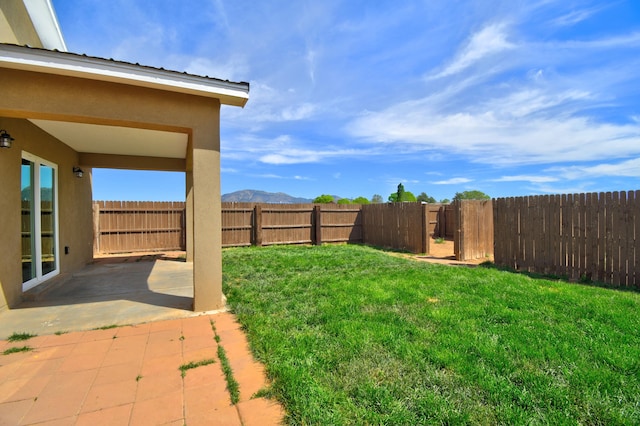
39	208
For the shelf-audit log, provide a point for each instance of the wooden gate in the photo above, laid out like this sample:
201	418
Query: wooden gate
473	236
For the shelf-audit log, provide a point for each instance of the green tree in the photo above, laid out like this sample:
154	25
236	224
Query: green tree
377	199
323	199
445	201
424	198
407	197
401	196
471	195
400	193
344	201
361	200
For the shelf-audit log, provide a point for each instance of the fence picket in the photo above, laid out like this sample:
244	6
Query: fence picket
582	239
602	237
591	222
635	217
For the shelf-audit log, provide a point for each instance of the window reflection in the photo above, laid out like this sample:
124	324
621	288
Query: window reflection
27	225
47	219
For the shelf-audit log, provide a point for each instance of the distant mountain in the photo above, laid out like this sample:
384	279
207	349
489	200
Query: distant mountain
253	196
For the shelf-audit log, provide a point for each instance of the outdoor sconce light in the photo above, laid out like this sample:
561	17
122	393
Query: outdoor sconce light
5	139
78	172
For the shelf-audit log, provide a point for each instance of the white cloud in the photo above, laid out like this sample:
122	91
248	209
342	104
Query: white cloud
526	178
627	41
298	112
311	63
530	101
490	40
276	176
452	181
402	181
525	127
220	15
301	156
575	16
268	176
229	69
574	189
271	105
627	168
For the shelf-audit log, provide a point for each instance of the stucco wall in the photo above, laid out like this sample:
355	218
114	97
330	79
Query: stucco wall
74	205
19	22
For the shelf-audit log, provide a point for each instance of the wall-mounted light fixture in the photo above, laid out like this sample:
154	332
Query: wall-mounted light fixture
5	139
78	172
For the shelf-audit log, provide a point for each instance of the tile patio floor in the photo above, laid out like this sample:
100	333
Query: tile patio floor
130	376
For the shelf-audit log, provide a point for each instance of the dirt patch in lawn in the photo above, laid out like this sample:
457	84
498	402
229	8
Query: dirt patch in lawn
442	252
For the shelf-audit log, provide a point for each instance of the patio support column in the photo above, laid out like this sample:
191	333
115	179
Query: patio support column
189	210
207	233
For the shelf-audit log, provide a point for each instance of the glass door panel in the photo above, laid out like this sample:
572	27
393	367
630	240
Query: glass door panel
39	227
27	224
47	219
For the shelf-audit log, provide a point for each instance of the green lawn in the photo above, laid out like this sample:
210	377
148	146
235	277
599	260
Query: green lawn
353	335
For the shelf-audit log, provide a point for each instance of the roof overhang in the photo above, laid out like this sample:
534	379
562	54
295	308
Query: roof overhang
115	145
45	23
81	66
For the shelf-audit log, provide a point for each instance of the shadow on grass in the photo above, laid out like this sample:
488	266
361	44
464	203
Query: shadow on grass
584	279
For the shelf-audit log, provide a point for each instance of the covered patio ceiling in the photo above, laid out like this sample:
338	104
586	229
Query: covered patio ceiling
117	140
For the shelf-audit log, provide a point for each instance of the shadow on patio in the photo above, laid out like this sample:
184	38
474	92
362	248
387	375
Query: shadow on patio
114	290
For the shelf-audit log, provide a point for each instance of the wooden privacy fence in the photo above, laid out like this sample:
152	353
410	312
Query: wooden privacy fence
129	226
581	236
473	237
441	220
146	226
246	224
401	226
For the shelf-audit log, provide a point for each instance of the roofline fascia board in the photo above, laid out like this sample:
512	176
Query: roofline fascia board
74	65
44	20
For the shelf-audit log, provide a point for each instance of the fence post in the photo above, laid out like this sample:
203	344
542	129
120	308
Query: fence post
317	222
257	225
363	223
183	229
425	228
96	228
458	244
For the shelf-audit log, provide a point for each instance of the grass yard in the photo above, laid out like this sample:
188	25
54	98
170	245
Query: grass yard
352	335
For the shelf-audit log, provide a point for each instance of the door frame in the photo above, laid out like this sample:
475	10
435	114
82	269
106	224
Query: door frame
37	223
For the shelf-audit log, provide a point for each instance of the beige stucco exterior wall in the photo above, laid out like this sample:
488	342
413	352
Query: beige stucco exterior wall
54	97
19	21
74	205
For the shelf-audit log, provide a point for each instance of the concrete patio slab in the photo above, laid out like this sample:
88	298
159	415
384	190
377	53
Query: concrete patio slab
112	291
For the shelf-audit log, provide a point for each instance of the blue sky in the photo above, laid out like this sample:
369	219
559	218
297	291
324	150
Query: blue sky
513	97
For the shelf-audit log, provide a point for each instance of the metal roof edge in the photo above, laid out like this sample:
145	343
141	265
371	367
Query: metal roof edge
83	66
